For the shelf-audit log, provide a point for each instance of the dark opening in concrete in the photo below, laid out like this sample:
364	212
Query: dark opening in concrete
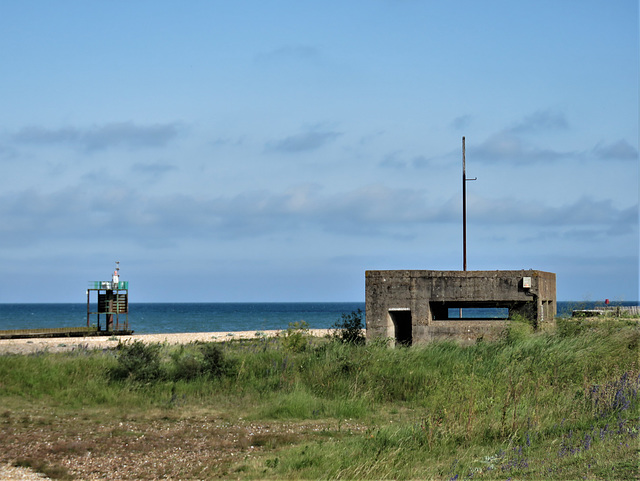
479	313
402	326
476	310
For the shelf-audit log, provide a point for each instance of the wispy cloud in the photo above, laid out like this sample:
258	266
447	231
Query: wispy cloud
31	217
113	135
509	144
228	141
506	146
395	160
541	121
584	212
461	122
154	170
303	142
6	152
620	150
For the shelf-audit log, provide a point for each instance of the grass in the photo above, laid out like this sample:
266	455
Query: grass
559	404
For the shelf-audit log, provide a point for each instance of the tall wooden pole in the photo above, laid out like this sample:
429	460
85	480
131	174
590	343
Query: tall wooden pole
464	207
464	210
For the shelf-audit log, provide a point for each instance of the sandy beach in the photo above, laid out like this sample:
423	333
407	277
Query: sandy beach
60	344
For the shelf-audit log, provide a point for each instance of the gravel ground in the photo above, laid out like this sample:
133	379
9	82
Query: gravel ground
158	446
11	473
60	344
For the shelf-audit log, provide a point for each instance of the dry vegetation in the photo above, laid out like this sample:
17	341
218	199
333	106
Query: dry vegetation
562	404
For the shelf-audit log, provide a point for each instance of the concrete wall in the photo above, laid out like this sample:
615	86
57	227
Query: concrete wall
412	306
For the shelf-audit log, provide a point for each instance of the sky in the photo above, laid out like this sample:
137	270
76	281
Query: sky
259	150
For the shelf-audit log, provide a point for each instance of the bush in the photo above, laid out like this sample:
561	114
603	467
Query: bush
296	336
349	328
195	360
185	364
213	361
138	361
149	362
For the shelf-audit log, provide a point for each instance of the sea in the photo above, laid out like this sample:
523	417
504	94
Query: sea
172	317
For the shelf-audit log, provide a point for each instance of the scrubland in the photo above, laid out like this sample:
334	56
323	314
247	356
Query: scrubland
562	403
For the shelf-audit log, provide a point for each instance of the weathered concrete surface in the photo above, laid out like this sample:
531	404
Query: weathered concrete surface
412	306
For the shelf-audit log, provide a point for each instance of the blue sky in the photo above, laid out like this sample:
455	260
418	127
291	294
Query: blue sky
275	150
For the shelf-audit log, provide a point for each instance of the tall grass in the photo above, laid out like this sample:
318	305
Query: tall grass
557	404
70	380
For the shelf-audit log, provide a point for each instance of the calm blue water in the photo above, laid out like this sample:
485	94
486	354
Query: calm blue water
156	318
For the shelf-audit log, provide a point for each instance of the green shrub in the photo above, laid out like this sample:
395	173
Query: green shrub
185	364
349	328
213	362
151	362
138	361
296	337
